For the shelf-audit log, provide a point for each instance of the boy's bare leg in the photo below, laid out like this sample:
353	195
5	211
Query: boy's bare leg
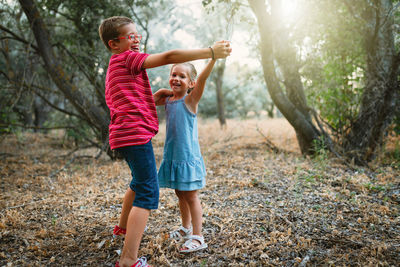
135	227
126	207
184	209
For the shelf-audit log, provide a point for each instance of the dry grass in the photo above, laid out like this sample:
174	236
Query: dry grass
260	208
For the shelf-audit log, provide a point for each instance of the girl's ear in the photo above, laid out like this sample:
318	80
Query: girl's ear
192	84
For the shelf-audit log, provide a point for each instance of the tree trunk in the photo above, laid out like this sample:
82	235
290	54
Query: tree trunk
95	116
270	109
220	97
41	113
293	105
378	103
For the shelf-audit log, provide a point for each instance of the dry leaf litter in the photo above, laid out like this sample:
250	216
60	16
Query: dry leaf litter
261	208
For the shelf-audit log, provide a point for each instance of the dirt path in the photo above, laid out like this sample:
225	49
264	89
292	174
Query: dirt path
260	208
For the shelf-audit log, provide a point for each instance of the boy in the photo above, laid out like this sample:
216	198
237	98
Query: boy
134	121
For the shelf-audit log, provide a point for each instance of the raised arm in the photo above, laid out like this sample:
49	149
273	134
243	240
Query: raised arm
221	49
193	99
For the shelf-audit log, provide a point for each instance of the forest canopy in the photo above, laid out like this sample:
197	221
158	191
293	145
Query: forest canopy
329	67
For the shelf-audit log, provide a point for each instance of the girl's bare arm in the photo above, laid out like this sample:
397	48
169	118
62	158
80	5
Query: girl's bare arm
193	99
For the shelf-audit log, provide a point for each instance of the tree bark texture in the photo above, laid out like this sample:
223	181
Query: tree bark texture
220	97
95	116
378	102
274	48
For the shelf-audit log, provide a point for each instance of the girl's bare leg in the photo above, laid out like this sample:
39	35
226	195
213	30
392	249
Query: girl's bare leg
184	209
196	211
191	199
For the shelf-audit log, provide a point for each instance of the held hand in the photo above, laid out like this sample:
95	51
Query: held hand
221	49
161	96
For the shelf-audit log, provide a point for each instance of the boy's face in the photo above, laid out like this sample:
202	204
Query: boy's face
124	41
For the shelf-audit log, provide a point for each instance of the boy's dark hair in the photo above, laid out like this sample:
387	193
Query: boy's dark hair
109	28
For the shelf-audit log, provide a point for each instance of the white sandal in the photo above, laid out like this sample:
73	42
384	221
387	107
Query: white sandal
177	233
191	246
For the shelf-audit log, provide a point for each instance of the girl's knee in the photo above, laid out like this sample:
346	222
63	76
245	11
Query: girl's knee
188	196
180	194
192	197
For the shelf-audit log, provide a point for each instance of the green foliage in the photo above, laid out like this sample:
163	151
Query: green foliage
337	95
374	187
333	72
307	177
396	123
321	153
7	119
73	27
328	39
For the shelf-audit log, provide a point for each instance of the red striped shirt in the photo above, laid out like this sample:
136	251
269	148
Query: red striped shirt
130	100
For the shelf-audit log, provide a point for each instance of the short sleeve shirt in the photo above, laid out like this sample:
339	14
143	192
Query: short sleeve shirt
130	100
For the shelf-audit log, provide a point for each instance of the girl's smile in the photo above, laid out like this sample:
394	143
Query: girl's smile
179	80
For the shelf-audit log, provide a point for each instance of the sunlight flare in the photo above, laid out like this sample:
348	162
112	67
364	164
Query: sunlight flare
289	10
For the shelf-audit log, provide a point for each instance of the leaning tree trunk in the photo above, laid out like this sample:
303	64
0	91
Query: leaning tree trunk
293	105
220	97
95	117
378	103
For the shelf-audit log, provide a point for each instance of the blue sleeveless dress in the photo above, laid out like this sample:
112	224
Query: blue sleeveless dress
182	166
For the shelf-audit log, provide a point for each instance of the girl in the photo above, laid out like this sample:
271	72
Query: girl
182	167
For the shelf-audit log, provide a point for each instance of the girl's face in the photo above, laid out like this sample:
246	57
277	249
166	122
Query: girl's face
179	79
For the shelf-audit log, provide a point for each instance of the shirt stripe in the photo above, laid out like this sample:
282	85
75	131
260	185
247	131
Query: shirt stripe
130	100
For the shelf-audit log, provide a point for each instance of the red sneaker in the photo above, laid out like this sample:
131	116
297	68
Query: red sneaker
118	231
141	262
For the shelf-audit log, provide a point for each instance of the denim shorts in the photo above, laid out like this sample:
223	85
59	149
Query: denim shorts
142	163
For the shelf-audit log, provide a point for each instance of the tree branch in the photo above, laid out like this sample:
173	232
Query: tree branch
349	6
138	20
41	88
269	143
54	106
93	115
2	125
16	37
91	78
81	68
390	13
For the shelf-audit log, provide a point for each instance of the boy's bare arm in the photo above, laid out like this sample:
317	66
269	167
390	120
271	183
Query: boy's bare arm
193	99
221	49
161	95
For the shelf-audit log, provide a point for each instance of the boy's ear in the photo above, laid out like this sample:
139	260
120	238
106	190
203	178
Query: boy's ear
113	44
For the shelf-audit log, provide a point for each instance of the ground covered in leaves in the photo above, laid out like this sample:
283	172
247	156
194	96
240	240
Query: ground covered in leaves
262	207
